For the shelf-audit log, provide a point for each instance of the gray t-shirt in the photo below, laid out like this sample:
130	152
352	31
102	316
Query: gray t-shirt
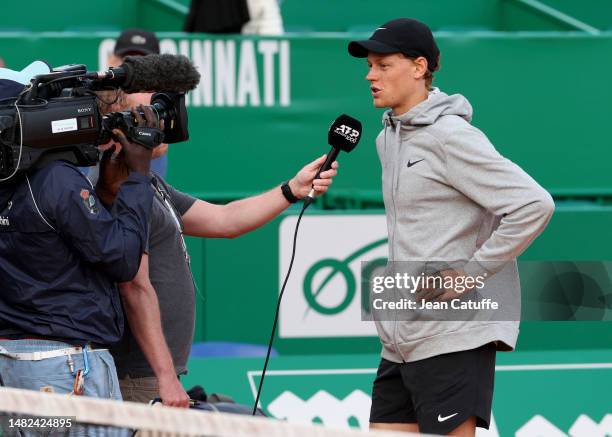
171	277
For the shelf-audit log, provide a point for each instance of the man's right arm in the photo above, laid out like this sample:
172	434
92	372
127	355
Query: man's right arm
142	311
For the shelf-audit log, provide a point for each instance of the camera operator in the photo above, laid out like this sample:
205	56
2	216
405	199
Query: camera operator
168	272
139	299
61	254
139	42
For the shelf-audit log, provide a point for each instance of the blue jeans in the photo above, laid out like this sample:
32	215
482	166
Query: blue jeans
55	373
100	382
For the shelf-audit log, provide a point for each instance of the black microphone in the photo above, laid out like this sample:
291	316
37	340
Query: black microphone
344	135
171	73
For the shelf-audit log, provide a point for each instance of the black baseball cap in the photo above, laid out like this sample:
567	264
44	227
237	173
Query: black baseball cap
10	89
402	35
136	41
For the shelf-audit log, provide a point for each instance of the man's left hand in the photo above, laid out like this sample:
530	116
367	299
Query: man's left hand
172	392
304	180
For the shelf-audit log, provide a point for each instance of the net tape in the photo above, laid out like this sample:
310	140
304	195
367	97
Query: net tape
159	421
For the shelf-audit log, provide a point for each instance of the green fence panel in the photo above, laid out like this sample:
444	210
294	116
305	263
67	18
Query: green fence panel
521	97
537	108
58	16
87	17
314	15
594	12
440	15
264	105
161	15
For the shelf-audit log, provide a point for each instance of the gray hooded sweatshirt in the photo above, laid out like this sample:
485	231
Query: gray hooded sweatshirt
449	195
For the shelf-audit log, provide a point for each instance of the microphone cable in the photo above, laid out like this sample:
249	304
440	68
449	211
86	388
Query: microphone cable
307	201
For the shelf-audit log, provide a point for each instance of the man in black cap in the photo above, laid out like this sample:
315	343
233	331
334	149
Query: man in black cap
136	42
139	42
449	197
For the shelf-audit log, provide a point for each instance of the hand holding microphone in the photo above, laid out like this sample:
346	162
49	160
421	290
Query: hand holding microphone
311	178
343	135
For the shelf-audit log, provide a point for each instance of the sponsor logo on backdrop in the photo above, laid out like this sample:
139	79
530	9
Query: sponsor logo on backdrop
336	397
584	426
234	73
340	397
354	409
323	407
322	297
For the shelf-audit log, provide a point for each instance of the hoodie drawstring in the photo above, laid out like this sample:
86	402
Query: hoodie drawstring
386	159
396	164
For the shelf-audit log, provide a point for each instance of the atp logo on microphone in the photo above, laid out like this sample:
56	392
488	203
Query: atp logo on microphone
348	133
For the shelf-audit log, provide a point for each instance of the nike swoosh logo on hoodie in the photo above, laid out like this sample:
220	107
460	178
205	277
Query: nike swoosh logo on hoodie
410	164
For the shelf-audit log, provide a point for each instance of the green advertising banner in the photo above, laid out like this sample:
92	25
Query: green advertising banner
262	111
551	394
264	105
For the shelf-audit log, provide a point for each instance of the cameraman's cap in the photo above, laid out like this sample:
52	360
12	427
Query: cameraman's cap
136	41
10	88
403	35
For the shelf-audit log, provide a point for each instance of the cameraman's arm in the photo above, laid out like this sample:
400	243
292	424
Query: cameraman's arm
113	242
142	311
204	219
119	160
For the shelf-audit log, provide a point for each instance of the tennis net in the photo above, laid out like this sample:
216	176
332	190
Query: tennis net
25	412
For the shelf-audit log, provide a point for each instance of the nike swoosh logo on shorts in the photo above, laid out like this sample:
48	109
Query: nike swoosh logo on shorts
443	419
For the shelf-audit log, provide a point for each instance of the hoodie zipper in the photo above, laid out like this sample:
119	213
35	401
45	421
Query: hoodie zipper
394	184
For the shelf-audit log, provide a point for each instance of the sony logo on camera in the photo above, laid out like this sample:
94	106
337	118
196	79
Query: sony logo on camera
83	110
347	132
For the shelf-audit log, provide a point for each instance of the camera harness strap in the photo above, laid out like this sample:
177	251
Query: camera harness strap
165	198
36	206
41	215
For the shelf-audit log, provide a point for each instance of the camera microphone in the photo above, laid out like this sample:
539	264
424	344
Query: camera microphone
344	135
170	73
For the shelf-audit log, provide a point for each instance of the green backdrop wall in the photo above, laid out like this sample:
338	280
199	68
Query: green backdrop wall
541	98
318	15
540	109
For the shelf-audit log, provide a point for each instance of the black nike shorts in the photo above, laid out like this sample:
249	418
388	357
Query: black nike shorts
438	393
